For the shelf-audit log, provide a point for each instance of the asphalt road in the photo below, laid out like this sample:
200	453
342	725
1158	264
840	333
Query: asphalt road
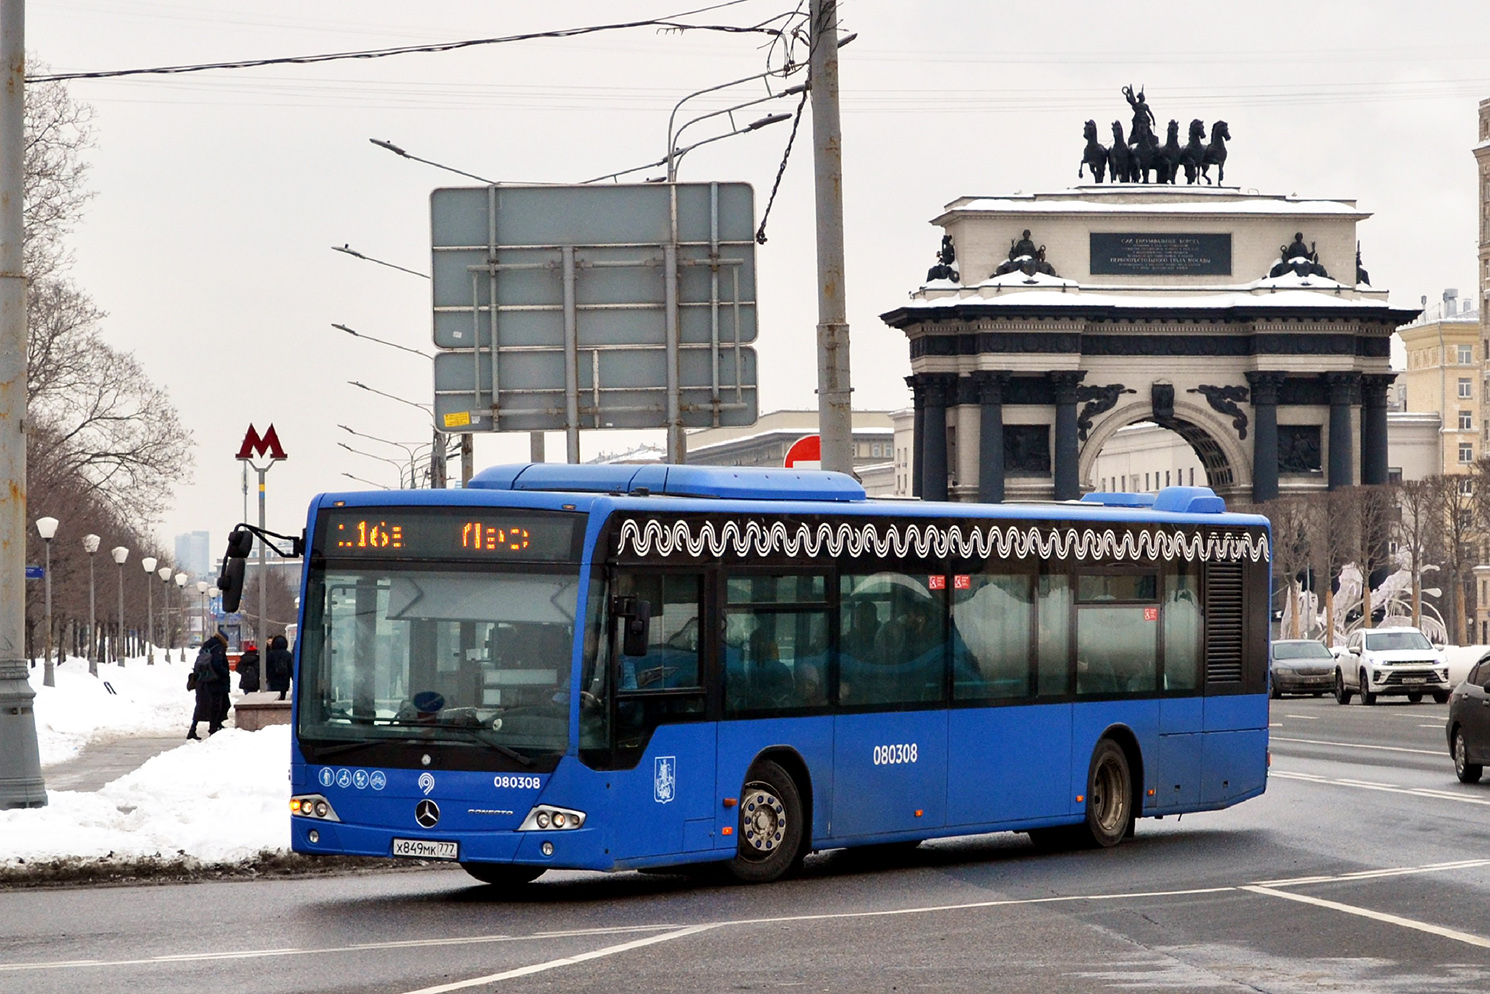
1364	868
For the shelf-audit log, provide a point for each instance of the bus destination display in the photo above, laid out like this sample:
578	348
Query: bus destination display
416	533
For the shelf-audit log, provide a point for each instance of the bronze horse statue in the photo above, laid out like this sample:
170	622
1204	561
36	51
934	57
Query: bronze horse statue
1119	158
1170	154
1094	157
1193	154
1215	153
1146	157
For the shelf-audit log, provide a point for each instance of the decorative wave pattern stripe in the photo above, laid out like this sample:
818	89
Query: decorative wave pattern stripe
698	539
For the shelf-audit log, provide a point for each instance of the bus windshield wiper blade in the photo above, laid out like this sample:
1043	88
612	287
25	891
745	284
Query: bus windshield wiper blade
484	736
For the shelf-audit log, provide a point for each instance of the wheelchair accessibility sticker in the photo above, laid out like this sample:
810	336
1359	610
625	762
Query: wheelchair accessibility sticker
664	779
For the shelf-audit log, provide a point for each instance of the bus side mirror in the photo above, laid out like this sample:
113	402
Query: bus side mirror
230	583
635	617
234	563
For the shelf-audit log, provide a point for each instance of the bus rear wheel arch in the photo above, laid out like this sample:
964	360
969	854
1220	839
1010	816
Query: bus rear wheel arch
771	825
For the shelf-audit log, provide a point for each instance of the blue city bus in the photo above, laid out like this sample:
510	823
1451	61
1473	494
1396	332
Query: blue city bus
624	667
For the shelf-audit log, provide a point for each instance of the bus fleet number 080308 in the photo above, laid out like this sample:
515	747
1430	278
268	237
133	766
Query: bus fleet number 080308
891	755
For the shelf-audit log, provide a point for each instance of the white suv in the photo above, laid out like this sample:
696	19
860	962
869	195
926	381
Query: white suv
1397	661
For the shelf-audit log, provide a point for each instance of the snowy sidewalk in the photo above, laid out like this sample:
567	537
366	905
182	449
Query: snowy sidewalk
220	800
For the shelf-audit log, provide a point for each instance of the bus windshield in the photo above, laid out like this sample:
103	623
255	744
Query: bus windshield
427	655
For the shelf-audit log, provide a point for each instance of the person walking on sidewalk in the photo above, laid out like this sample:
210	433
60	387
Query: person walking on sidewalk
248	669
277	665
209	678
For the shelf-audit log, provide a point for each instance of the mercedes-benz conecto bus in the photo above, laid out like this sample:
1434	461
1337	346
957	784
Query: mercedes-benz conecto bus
613	667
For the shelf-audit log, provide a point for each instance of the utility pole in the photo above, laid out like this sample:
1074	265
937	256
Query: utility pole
21	785
835	417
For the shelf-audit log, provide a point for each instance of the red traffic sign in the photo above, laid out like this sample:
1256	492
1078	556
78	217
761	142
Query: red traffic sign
253	442
805	453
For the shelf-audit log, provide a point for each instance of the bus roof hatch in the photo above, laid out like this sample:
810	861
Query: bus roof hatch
733	482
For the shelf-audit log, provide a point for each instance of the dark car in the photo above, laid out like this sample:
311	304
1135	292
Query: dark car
1302	666
1469	723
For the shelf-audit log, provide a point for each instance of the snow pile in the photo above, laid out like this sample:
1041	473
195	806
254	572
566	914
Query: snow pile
219	800
147	700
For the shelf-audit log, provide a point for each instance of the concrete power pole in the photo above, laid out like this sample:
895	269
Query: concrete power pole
21	785
835	417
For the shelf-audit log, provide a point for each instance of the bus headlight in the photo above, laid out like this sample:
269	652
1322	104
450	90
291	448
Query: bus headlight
312	806
546	816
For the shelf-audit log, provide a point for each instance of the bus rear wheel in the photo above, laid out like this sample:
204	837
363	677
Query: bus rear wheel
502	874
1109	796
770	828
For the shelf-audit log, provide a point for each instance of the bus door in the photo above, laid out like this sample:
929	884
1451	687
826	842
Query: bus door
890	733
662	789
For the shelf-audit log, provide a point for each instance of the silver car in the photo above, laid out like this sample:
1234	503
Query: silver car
1302	666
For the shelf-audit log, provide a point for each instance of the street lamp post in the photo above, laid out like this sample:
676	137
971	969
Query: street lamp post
120	554
47	529
181	585
202	586
90	546
149	563
165	609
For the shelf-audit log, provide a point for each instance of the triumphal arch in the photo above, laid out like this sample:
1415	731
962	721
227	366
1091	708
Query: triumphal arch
1242	321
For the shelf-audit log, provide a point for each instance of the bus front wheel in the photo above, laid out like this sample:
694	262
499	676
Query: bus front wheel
502	874
1109	796
770	827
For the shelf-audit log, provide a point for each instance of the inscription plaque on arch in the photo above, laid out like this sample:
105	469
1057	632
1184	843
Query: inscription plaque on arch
1160	253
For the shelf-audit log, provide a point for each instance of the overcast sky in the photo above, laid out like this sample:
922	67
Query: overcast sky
218	195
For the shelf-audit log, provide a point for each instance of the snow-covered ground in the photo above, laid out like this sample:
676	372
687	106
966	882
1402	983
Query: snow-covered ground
218	800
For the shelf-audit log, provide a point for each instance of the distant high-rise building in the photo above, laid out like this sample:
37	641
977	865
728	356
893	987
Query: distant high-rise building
194	553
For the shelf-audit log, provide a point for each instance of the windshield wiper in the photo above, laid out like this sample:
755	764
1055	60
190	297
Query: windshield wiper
482	734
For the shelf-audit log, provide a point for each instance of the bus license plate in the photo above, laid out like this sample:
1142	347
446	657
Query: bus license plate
426	849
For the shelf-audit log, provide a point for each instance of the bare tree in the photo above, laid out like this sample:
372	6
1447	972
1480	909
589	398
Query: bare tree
1454	496
1415	529
1331	543
58	131
1290	520
1375	519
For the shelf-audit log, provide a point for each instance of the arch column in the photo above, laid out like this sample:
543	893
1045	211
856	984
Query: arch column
1067	472
1374	427
1343	387
990	386
1265	387
918	432
941	390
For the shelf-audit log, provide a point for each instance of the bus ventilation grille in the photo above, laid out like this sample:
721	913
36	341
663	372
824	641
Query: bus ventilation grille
1223	623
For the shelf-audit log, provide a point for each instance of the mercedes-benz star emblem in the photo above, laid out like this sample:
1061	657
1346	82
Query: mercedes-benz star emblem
427	813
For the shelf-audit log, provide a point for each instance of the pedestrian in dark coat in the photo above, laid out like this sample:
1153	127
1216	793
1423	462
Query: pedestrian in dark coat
224	684
211	673
278	665
248	669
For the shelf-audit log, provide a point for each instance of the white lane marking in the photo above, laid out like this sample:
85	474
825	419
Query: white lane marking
1436	724
1395	871
1275	724
1351	909
1306	717
1363	745
355	947
554	964
1441	795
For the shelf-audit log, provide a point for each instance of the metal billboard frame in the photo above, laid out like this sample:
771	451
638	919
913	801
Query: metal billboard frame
562	307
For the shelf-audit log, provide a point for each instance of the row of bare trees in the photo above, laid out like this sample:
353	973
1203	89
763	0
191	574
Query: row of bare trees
105	447
1364	542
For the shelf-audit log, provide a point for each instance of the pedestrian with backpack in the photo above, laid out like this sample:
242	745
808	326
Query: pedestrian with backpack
209	678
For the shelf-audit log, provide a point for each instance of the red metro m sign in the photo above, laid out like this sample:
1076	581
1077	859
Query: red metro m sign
268	444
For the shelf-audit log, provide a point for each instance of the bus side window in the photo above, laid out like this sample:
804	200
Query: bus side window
1117	634
991	636
1053	651
775	643
672	659
1182	628
892	639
